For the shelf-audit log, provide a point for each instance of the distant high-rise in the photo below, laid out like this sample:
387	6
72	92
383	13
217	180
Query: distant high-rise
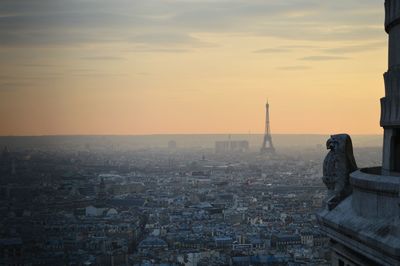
102	194
267	146
228	146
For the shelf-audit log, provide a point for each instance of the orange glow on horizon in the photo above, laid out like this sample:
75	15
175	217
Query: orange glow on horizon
212	80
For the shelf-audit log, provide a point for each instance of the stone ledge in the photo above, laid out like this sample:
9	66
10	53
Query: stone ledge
371	180
374	238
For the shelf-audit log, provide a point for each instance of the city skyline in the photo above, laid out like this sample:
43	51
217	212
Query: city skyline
186	67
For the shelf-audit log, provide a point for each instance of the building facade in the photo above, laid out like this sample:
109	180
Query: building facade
364	227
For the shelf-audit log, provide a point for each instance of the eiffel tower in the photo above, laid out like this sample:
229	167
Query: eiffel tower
267	146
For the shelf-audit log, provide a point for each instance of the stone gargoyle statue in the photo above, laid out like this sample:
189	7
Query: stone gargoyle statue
338	165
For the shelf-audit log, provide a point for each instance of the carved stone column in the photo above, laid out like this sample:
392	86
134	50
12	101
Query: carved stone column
390	104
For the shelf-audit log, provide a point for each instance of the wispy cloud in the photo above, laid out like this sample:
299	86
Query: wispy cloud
323	58
294	68
102	58
357	48
272	51
13	86
160	50
75	22
286	49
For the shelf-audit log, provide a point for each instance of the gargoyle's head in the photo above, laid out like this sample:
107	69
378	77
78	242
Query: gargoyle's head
339	143
342	144
331	144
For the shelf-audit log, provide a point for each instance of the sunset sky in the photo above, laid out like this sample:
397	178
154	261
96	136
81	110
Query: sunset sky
190	66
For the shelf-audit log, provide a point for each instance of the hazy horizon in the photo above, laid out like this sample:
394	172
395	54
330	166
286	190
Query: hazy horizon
191	134
186	141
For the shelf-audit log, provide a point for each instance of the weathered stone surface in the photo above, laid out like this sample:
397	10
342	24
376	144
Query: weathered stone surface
390	104
377	239
365	227
338	165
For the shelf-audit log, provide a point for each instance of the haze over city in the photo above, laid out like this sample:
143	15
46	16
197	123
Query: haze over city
190	66
199	132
